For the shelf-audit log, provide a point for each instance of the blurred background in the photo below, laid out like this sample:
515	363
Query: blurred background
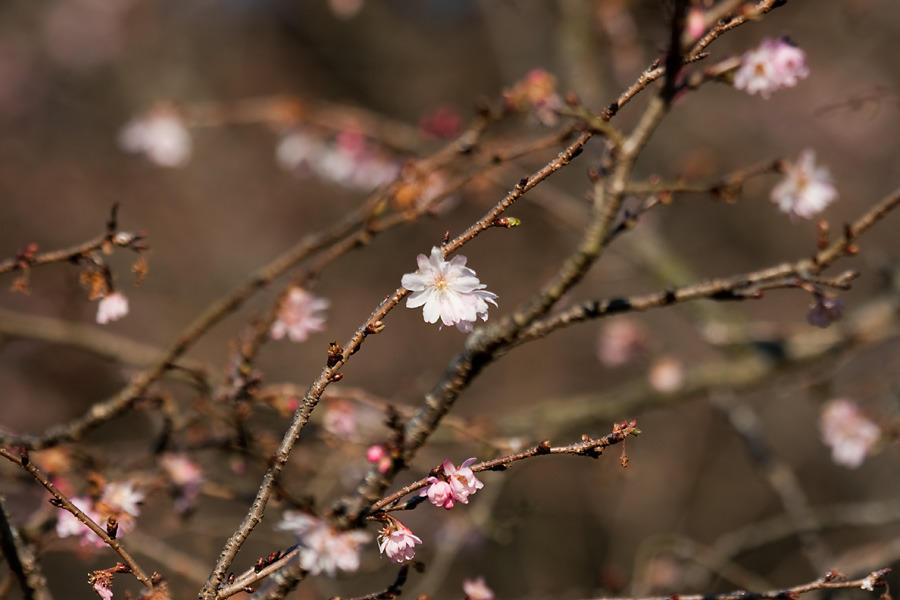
75	73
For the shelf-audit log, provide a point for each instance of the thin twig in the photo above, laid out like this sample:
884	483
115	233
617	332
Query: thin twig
63	502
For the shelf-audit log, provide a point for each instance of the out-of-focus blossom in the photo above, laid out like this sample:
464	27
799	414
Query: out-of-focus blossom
161	136
773	65
695	25
443	122
112	307
325	549
848	432
340	419
448	290
349	160
477	589
300	314
68	524
536	92
397	542
377	455
456	485
345	9
119	500
666	375
186	477
806	189
423	190
621	341
825	311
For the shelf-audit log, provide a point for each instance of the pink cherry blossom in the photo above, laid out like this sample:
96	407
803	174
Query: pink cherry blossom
397	542
536	92
439	493
119	500
447	290
186	478
622	341
160	136
456	485
340	419
806	189
68	524
325	549
773	65
112	307
378	455
477	589
848	432
300	314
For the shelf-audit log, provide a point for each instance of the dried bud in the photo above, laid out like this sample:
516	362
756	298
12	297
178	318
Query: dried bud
112	526
336	377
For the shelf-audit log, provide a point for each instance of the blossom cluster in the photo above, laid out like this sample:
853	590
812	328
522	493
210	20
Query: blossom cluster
349	160
456	485
447	290
119	500
773	65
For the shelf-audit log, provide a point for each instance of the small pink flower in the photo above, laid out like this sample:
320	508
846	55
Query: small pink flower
447	290
301	314
443	122
849	433
456	486
477	589
119	500
806	189
536	92
397	542
340	419
622	341
112	307
68	524
325	549
773	65
377	455
666	375
160	136
695	25
439	493
186	477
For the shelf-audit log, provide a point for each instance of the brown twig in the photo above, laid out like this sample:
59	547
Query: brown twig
64	502
591	447
21	559
832	581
